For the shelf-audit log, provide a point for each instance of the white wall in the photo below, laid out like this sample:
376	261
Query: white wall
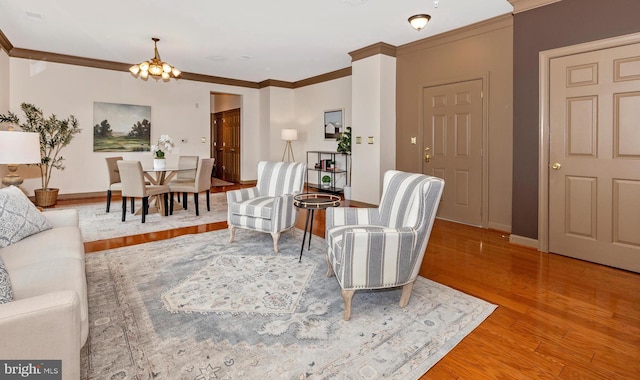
4	81
280	114
4	98
373	116
310	104
180	109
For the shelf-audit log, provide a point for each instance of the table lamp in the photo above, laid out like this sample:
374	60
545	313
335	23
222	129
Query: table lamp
289	135
16	148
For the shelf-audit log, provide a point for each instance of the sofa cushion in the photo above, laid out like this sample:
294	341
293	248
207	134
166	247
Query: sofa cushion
19	218
6	293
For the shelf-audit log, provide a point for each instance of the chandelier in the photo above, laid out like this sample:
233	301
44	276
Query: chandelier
155	67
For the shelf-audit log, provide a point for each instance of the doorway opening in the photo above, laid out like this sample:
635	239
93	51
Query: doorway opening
225	137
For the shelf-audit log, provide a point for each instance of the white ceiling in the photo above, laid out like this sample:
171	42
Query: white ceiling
251	40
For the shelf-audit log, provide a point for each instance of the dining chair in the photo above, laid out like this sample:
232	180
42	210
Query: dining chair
114	180
267	207
134	186
202	182
383	247
186	162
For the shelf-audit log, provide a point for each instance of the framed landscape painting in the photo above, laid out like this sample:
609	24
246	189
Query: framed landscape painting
332	124
121	127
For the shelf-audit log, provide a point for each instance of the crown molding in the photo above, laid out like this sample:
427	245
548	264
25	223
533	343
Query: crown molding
525	5
217	80
496	23
67	59
37	55
275	83
5	44
323	77
371	50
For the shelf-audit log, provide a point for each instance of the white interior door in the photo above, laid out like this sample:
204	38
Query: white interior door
452	122
594	155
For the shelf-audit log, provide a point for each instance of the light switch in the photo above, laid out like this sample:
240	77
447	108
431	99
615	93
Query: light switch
358	140
413	140
370	140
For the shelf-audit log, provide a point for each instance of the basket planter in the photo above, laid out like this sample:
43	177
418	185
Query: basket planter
46	197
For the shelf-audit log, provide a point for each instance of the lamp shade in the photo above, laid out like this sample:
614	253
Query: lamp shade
289	134
19	147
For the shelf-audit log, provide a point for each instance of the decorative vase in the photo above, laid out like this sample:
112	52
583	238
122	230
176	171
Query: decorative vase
46	197
159	163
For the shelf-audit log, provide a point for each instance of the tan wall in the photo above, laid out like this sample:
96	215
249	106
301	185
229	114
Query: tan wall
483	50
225	102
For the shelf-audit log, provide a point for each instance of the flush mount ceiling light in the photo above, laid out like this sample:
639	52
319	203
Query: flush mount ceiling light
419	21
155	67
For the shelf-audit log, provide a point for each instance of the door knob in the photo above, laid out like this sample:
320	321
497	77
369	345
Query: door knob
556	166
427	154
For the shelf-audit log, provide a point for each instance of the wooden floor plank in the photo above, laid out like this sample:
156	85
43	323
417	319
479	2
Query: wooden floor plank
558	317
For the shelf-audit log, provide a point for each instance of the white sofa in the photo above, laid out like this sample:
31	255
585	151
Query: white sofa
48	317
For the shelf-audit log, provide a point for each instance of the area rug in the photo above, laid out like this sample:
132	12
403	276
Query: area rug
97	224
197	307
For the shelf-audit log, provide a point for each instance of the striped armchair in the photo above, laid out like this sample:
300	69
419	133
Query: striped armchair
267	207
373	248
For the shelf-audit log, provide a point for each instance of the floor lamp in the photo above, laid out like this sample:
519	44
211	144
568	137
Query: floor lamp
16	148
289	135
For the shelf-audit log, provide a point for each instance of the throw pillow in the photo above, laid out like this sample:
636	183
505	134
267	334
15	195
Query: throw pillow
6	293
19	217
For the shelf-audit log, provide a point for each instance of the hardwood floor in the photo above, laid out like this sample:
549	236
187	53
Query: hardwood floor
558	318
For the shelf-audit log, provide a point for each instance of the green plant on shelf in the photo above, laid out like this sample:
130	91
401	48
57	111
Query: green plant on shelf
326	181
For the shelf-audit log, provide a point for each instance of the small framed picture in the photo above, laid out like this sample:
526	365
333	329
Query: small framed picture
333	124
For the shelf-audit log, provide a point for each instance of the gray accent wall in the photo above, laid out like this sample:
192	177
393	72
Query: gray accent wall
565	23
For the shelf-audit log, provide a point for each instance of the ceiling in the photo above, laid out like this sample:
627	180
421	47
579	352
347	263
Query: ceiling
252	40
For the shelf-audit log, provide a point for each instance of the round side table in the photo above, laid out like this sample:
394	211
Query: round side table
312	202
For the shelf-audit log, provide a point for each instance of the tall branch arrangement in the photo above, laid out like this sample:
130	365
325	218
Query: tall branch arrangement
55	134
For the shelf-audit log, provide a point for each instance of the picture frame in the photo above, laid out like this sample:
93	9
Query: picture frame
121	127
333	124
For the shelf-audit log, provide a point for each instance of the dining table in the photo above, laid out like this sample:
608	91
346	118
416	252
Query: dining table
161	176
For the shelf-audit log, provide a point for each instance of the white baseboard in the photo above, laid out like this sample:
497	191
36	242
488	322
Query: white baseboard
499	227
525	241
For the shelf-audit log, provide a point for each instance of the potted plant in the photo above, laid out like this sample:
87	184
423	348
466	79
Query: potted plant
344	146
326	181
165	143
55	134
